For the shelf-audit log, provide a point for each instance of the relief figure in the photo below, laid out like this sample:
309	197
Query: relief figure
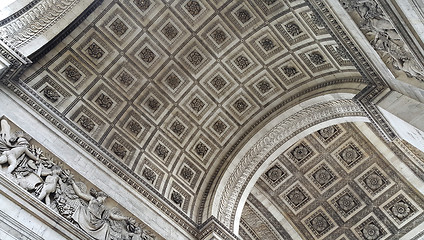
94	218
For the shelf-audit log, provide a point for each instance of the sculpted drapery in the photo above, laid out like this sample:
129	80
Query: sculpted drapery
47	181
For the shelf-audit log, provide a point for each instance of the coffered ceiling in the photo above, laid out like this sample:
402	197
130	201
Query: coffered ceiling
333	184
167	89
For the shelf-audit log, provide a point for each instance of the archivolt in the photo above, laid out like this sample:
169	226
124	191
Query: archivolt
286	129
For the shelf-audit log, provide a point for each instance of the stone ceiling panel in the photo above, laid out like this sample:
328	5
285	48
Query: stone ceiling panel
170	32
95	50
124	76
194	13
264	87
144	11
242	17
344	189
147	54
173	81
166	88
218	36
52	91
72	72
266	45
118	26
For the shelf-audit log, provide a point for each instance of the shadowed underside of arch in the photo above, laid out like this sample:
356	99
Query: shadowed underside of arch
278	134
170	92
188	102
342	181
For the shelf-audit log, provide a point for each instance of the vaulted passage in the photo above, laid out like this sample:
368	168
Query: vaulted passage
333	183
255	119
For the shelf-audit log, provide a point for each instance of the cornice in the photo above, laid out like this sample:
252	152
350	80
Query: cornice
65	32
17	62
34	21
214	226
377	82
19	13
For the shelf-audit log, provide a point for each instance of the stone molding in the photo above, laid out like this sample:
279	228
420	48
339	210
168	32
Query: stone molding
386	39
16	62
213	227
410	156
9	224
257	154
42	174
38	54
377	82
35	21
20	12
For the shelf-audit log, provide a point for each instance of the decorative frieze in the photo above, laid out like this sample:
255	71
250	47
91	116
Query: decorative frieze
45	177
35	21
280	133
383	36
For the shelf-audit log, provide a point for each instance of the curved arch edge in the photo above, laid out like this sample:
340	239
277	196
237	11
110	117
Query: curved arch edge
288	127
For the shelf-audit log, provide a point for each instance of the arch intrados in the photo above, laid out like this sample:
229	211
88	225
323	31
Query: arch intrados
264	166
270	141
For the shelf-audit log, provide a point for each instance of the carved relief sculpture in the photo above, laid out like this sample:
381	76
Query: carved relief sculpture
50	184
383	36
13	149
31	169
35	21
93	217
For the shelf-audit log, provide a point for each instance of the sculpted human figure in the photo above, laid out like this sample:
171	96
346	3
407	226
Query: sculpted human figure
50	183
134	232
403	60
386	38
11	156
365	8
5	130
94	218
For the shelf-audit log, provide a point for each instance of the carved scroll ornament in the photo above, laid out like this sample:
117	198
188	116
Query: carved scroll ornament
35	21
32	169
256	155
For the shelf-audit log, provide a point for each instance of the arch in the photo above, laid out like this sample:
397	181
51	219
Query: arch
290	126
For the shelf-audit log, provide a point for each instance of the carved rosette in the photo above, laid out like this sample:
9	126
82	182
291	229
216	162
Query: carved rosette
244	170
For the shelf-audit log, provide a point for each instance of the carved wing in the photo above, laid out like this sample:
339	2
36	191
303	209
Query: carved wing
4	135
5	130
